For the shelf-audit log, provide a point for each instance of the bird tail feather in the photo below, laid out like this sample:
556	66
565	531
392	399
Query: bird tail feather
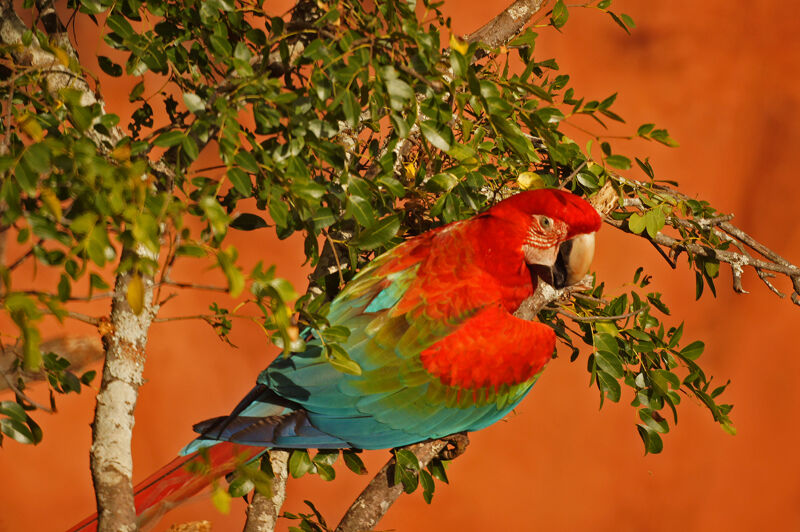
181	479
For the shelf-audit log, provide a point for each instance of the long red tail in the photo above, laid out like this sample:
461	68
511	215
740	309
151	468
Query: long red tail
180	479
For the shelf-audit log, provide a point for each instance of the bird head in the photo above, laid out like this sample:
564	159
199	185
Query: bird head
555	232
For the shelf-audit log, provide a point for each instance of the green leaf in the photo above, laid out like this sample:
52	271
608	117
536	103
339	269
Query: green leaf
379	234
16	430
108	66
339	359
609	363
97	282
651	439
427	486
169	139
88	377
194	102
217	218
636	223
654	221
618	161
609	385
247	222
336	334
221	500
560	14
119	25
241	486
619	22
351	108
437	470
442	182
353	462
190	250
226	260
13	410
300	463
190	148
645	129
437	134
406	470
323	218
654	420
693	350
136	92
361	209
399	90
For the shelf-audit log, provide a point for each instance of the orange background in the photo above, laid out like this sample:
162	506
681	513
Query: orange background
725	81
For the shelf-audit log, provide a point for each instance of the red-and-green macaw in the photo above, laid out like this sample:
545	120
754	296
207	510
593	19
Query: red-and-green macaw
431	325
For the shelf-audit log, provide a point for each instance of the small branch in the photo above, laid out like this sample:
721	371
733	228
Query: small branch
592	319
93	297
263	512
10	384
729	257
723	229
85	318
205	317
193	286
335	256
21	259
435	85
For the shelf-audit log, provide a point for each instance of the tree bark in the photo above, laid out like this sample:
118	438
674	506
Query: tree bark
112	429
507	24
263	512
381	492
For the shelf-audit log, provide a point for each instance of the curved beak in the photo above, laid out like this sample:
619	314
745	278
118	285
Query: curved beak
568	265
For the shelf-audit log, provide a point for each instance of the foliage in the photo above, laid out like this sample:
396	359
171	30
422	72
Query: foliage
352	126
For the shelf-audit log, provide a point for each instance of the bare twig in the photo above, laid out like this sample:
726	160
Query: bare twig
722	228
592	319
193	286
85	318
22	395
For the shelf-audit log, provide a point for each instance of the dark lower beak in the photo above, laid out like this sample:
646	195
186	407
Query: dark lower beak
555	275
571	265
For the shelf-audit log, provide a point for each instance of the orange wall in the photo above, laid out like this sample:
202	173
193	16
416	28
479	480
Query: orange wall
725	81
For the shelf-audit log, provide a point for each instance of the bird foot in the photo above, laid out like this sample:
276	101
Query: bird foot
456	446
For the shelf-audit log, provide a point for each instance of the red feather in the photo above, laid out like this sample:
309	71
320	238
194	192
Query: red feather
179	480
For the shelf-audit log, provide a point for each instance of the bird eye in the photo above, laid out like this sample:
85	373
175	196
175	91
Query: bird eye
545	222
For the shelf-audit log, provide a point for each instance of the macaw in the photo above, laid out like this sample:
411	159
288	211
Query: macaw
432	327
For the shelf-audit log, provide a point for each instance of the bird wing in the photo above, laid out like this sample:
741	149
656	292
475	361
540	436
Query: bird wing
433	348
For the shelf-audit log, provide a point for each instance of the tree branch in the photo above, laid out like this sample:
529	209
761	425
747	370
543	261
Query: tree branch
507	25
112	429
263	512
736	260
722	228
381	492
